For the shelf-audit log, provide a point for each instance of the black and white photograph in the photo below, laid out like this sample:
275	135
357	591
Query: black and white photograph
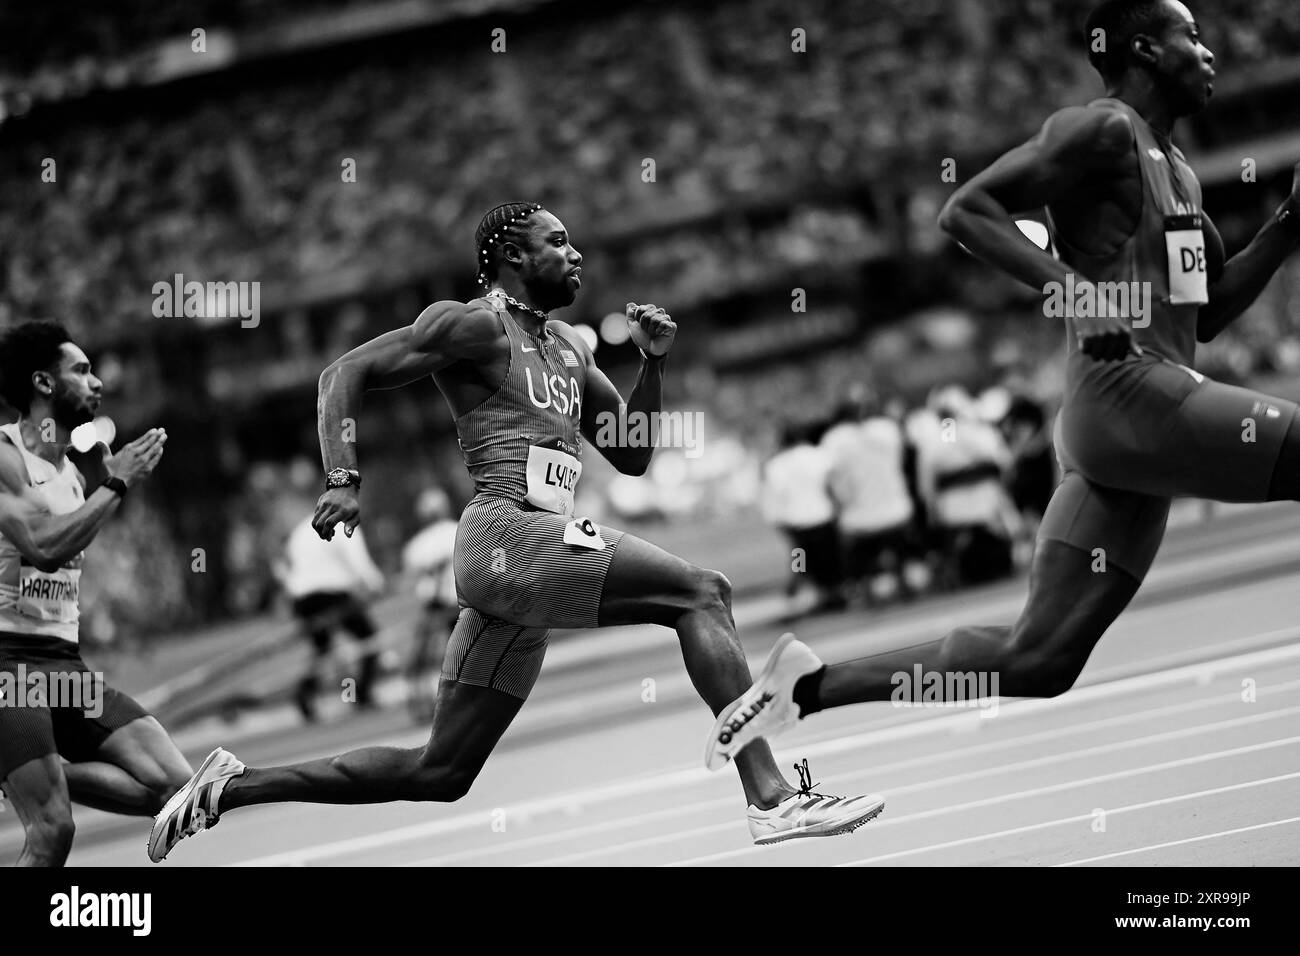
750	433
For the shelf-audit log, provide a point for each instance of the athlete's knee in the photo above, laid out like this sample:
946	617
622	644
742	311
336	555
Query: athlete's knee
160	775
159	782
712	590
441	782
1052	680
1037	671
444	785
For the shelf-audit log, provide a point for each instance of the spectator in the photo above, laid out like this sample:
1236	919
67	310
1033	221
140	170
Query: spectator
960	464
328	582
869	487
427	558
796	499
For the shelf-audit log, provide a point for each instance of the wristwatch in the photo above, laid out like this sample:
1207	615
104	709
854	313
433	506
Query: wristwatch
115	484
342	477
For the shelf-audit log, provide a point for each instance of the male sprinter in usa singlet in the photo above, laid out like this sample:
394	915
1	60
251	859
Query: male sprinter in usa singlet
524	390
52	708
1138	425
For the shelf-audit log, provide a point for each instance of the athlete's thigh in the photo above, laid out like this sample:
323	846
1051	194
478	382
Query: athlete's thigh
468	720
1169	431
532	568
488	652
1094	548
1070	605
1234	439
1113	528
144	749
1285	485
26	735
646	585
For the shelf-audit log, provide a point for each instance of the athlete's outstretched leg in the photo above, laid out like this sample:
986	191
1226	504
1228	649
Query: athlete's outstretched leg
646	584
1070	607
467	724
1095	546
488	672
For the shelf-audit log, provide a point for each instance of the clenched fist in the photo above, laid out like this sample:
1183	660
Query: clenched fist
652	329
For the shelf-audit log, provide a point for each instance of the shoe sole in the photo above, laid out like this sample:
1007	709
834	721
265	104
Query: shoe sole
177	801
784	641
837	831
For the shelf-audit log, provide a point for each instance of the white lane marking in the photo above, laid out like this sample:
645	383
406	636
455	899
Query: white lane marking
1046	824
954	808
1014	795
623	788
542	711
880	770
1195	839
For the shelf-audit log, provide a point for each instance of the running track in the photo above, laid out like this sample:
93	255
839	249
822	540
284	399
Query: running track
1154	758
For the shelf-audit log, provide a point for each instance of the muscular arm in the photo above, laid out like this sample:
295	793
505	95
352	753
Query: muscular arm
1243	277
1072	144
444	333
601	401
46	540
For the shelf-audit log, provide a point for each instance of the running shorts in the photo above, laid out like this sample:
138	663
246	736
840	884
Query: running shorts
28	730
1136	434
516	578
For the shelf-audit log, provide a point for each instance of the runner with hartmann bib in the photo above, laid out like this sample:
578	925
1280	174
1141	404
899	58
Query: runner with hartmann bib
65	736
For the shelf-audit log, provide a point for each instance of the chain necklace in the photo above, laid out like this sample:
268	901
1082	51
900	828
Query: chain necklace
502	294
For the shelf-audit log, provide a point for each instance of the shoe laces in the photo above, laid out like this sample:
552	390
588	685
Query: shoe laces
806	782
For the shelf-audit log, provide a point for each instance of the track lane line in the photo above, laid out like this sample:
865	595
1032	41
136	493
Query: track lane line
1147	805
564	835
1195	839
620	789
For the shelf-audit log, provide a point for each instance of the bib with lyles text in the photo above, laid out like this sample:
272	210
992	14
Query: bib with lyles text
1185	248
552	475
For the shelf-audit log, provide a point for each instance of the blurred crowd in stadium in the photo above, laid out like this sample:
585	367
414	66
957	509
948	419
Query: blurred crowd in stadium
243	180
773	170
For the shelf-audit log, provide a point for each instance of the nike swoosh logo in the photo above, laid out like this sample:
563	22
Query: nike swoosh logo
527	349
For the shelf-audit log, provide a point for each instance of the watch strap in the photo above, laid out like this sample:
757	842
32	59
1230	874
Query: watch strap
342	477
115	484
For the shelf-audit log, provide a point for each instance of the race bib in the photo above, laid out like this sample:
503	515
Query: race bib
552	478
1185	246
51	598
584	533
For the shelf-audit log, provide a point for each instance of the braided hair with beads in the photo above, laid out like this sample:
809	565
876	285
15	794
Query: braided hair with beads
501	224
